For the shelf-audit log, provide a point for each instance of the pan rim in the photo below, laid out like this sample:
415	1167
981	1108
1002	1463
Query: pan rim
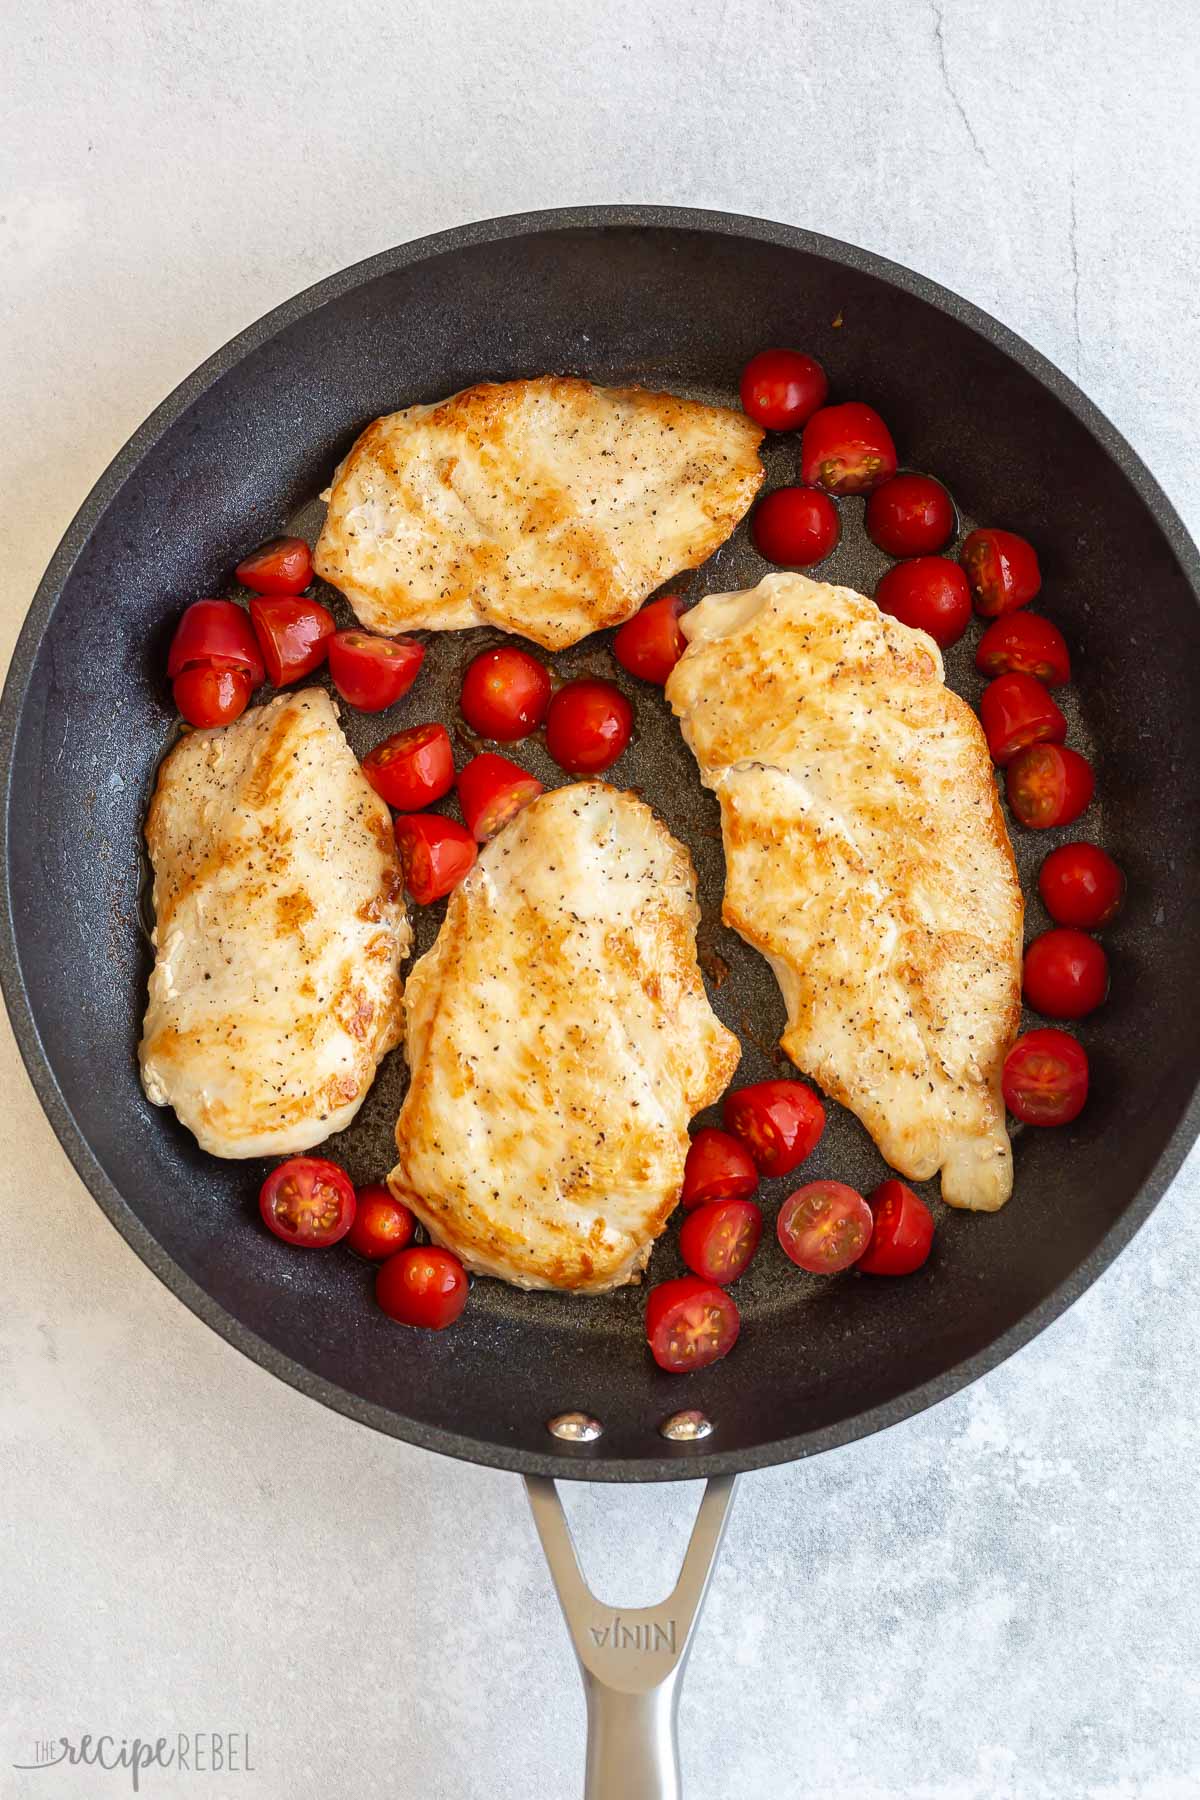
681	1462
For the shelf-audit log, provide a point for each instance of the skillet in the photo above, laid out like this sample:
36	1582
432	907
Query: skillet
677	300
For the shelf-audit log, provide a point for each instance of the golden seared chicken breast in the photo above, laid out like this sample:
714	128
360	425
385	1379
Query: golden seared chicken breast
547	507
868	860
280	928
560	1039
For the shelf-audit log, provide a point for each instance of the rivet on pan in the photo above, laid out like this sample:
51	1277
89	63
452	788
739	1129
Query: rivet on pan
686	1427
575	1428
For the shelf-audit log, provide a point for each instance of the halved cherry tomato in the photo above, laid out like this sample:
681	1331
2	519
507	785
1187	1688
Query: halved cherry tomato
422	1286
1066	974
910	515
1045	1078
847	449
1024	643
1016	711
796	526
284	566
382	1224
1049	785
308	1201
293	635
1081	885
435	854
930	593
208	695
588	726
780	1123
217	630
718	1167
718	1240
690	1323
491	791
505	694
902	1235
781	389
824	1227
651	643
412	768
373	672
1003	571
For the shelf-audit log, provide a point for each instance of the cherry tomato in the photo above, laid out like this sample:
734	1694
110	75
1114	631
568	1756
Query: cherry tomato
588	726
1002	569
308	1201
930	593
284	566
216	630
1023	643
435	854
382	1224
718	1167
1081	885
1016	711
902	1235
1045	1078
1049	785
373	672
824	1227
505	694
796	526
780	1123
719	1239
412	768
651	643
293	635
781	389
422	1286
208	696
910	515
491	791
1066	974
690	1323
847	449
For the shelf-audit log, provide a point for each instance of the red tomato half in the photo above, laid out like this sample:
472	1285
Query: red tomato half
1081	885
651	643
219	630
1066	974
910	515
308	1201
846	449
718	1240
1023	643
435	854
412	768
373	672
824	1227
505	694
718	1167
208	696
690	1323
780	1123
931	594
781	389
796	527
382	1224
422	1286
284	566
1049	785
588	726
902	1235
1045	1078
1016	711
293	635
491	791
1003	571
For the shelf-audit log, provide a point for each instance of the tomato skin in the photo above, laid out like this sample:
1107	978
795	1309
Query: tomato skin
651	643
718	1167
910	515
1024	643
902	1235
1066	974
781	389
1081	885
435	854
796	527
412	768
1017	711
588	726
718	1240
929	593
505	694
293	635
382	1224
1048	785
371	672
283	566
1002	569
215	629
1045	1078
846	449
824	1227
690	1323
491	791
208	696
780	1123
308	1201
423	1286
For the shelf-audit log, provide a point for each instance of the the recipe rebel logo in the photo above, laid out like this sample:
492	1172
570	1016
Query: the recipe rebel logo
189	1753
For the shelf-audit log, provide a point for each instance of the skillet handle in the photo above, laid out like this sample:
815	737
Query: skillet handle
631	1661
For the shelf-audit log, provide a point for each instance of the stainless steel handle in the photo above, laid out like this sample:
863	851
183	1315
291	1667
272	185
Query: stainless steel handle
631	1660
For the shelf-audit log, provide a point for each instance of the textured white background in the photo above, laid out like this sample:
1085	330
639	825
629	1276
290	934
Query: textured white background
993	1602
